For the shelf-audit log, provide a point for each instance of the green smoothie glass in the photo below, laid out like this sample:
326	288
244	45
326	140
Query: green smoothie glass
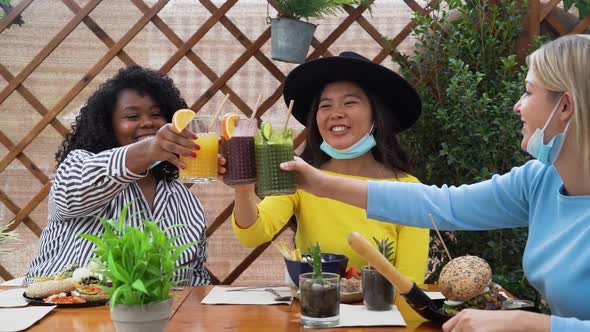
273	147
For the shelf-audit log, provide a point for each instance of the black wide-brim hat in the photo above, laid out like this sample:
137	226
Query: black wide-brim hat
305	81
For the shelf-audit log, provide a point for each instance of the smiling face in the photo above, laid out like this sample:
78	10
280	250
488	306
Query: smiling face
344	114
136	117
535	107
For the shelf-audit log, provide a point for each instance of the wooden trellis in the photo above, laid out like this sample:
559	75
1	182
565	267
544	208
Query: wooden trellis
539	12
218	83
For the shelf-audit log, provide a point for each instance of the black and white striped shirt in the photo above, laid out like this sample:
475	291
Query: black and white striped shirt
88	185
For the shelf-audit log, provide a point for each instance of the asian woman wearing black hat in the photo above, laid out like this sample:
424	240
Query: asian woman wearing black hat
550	195
353	109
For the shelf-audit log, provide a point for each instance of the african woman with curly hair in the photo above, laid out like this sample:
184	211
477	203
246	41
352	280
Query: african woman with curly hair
107	161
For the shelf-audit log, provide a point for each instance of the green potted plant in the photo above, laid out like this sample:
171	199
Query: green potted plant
291	37
378	292
140	264
320	294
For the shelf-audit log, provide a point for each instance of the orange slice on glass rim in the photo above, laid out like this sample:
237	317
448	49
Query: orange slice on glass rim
228	125
181	119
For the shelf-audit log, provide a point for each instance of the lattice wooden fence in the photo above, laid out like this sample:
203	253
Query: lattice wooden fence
549	18
551	14
16	150
254	48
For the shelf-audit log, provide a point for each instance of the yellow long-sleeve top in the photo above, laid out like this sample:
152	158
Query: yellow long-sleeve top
329	222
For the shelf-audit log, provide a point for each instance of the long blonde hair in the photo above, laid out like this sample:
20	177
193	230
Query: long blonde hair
564	65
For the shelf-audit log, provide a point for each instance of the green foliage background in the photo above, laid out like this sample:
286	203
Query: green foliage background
466	71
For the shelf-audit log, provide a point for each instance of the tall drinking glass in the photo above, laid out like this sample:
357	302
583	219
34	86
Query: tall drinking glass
238	152
270	153
203	168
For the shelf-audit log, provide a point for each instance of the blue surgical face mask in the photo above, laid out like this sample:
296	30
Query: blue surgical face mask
546	153
364	145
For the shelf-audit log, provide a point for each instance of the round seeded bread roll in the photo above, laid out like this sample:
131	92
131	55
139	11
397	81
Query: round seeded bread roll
464	278
46	288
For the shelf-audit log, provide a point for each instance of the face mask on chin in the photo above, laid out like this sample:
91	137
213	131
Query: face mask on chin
547	153
362	146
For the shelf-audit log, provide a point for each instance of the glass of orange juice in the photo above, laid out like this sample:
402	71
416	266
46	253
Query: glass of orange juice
203	168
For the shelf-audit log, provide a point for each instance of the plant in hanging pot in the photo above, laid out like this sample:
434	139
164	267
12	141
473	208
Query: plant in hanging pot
378	292
140	263
320	294
291	37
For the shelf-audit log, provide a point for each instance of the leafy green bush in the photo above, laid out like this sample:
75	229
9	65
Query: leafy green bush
140	263
465	68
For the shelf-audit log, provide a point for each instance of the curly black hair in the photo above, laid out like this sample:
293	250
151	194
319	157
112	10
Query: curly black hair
93	131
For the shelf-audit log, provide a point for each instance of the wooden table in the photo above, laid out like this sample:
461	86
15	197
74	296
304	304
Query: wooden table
90	318
190	315
194	316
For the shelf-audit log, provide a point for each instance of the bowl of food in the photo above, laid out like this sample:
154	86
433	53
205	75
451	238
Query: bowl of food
331	262
350	286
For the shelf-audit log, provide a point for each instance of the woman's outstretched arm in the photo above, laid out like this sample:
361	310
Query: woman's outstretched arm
314	181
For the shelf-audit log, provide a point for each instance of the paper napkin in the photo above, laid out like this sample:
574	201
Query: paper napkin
11	298
19	319
359	315
220	295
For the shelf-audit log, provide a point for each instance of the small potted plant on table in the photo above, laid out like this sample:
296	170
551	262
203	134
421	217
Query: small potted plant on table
378	292
320	294
140	263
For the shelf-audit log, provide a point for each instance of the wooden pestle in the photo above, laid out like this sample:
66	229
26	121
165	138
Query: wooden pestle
374	258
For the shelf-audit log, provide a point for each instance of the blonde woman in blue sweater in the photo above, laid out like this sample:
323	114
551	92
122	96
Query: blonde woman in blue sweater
550	195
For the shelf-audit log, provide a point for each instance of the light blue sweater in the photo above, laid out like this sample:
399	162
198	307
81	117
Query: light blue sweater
557	255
